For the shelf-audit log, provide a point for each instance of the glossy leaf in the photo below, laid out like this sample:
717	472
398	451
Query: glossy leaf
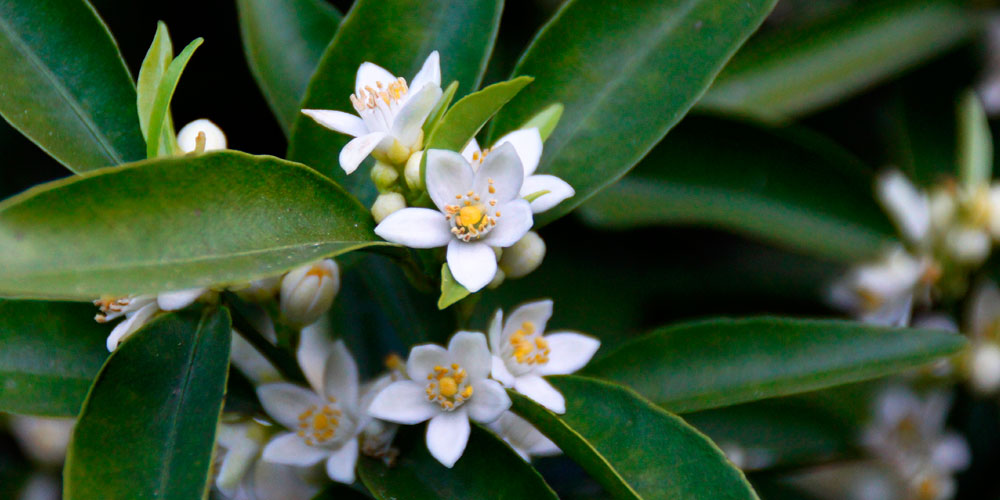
975	143
172	224
626	73
160	113
785	187
154	67
451	290
546	120
462	122
488	469
50	353
434	118
794	71
397	35
632	448
283	41
65	85
147	429
720	362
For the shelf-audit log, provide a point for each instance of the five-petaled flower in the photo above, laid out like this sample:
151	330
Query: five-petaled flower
390	114
522	355
477	210
447	387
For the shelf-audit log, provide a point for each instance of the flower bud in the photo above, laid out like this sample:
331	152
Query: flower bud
386	204
968	245
212	137
984	368
498	279
384	176
412	171
260	290
524	257
308	291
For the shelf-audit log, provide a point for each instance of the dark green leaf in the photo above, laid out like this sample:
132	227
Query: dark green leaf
783	186
159	116
626	73
65	85
147	429
634	449
462	122
154	67
172	224
719	362
795	71
283	41
50	353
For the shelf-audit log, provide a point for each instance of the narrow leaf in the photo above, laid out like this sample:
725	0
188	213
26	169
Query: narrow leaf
546	120
462	122
433	119
975	143
158	119
154	67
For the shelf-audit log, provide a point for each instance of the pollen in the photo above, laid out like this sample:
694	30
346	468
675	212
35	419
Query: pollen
383	97
448	386
528	347
317	425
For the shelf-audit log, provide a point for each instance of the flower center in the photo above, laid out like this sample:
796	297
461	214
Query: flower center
383	96
449	386
478	157
470	217
529	347
319	425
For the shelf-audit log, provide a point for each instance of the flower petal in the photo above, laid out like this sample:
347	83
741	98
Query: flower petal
369	75
540	391
469	350
570	352
407	126
284	402
495	331
289	449
983	310
473	147
131	324
175	301
536	313
907	206
515	221
340	465
340	377
251	362
558	190
423	359
315	346
489	401
473	264
416	228
448	175
503	167
447	435
358	149
430	73
527	143
501	373
338	121
403	402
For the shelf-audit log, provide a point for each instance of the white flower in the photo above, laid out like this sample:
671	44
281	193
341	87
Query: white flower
241	475
201	135
522	354
245	357
908	207
981	362
528	145
523	437
324	421
391	114
883	292
447	387
308	291
476	211
139	310
43	439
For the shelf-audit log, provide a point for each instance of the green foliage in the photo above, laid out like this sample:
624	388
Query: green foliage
159	118
154	68
451	290
545	120
975	149
462	122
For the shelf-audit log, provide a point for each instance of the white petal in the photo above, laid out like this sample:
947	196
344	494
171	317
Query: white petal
908	207
272	481
489	401
289	449
951	452
469	350
430	73
175	301
369	74
187	138
423	358
515	221
131	325
536	313
473	147
284	402
501	373
340	465
527	143
558	190
358	149
472	264
403	402
251	362
339	121
984	309
448	175
315	346
503	167
407	126
340	378
447	435
495	331
540	391
570	352
416	228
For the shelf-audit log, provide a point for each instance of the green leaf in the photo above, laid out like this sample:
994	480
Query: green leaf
154	67
488	469
174	223
283	41
546	120
65	85
975	143
462	122
159	117
720	362
397	35
451	290
50	353
626	73
147	429
794	71
434	118
634	449
786	187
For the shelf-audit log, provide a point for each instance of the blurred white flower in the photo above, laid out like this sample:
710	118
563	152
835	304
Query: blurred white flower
523	437
981	361
242	475
43	439
883	292
138	310
907	206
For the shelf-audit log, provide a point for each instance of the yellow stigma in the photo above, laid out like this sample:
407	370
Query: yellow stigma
318	425
469	216
448	387
528	346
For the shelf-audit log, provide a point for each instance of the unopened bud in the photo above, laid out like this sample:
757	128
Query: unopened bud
386	204
968	245
497	280
260	290
398	153
412	172
384	176
984	368
308	291
212	137
524	257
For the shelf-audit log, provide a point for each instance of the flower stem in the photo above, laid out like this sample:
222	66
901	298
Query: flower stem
281	359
